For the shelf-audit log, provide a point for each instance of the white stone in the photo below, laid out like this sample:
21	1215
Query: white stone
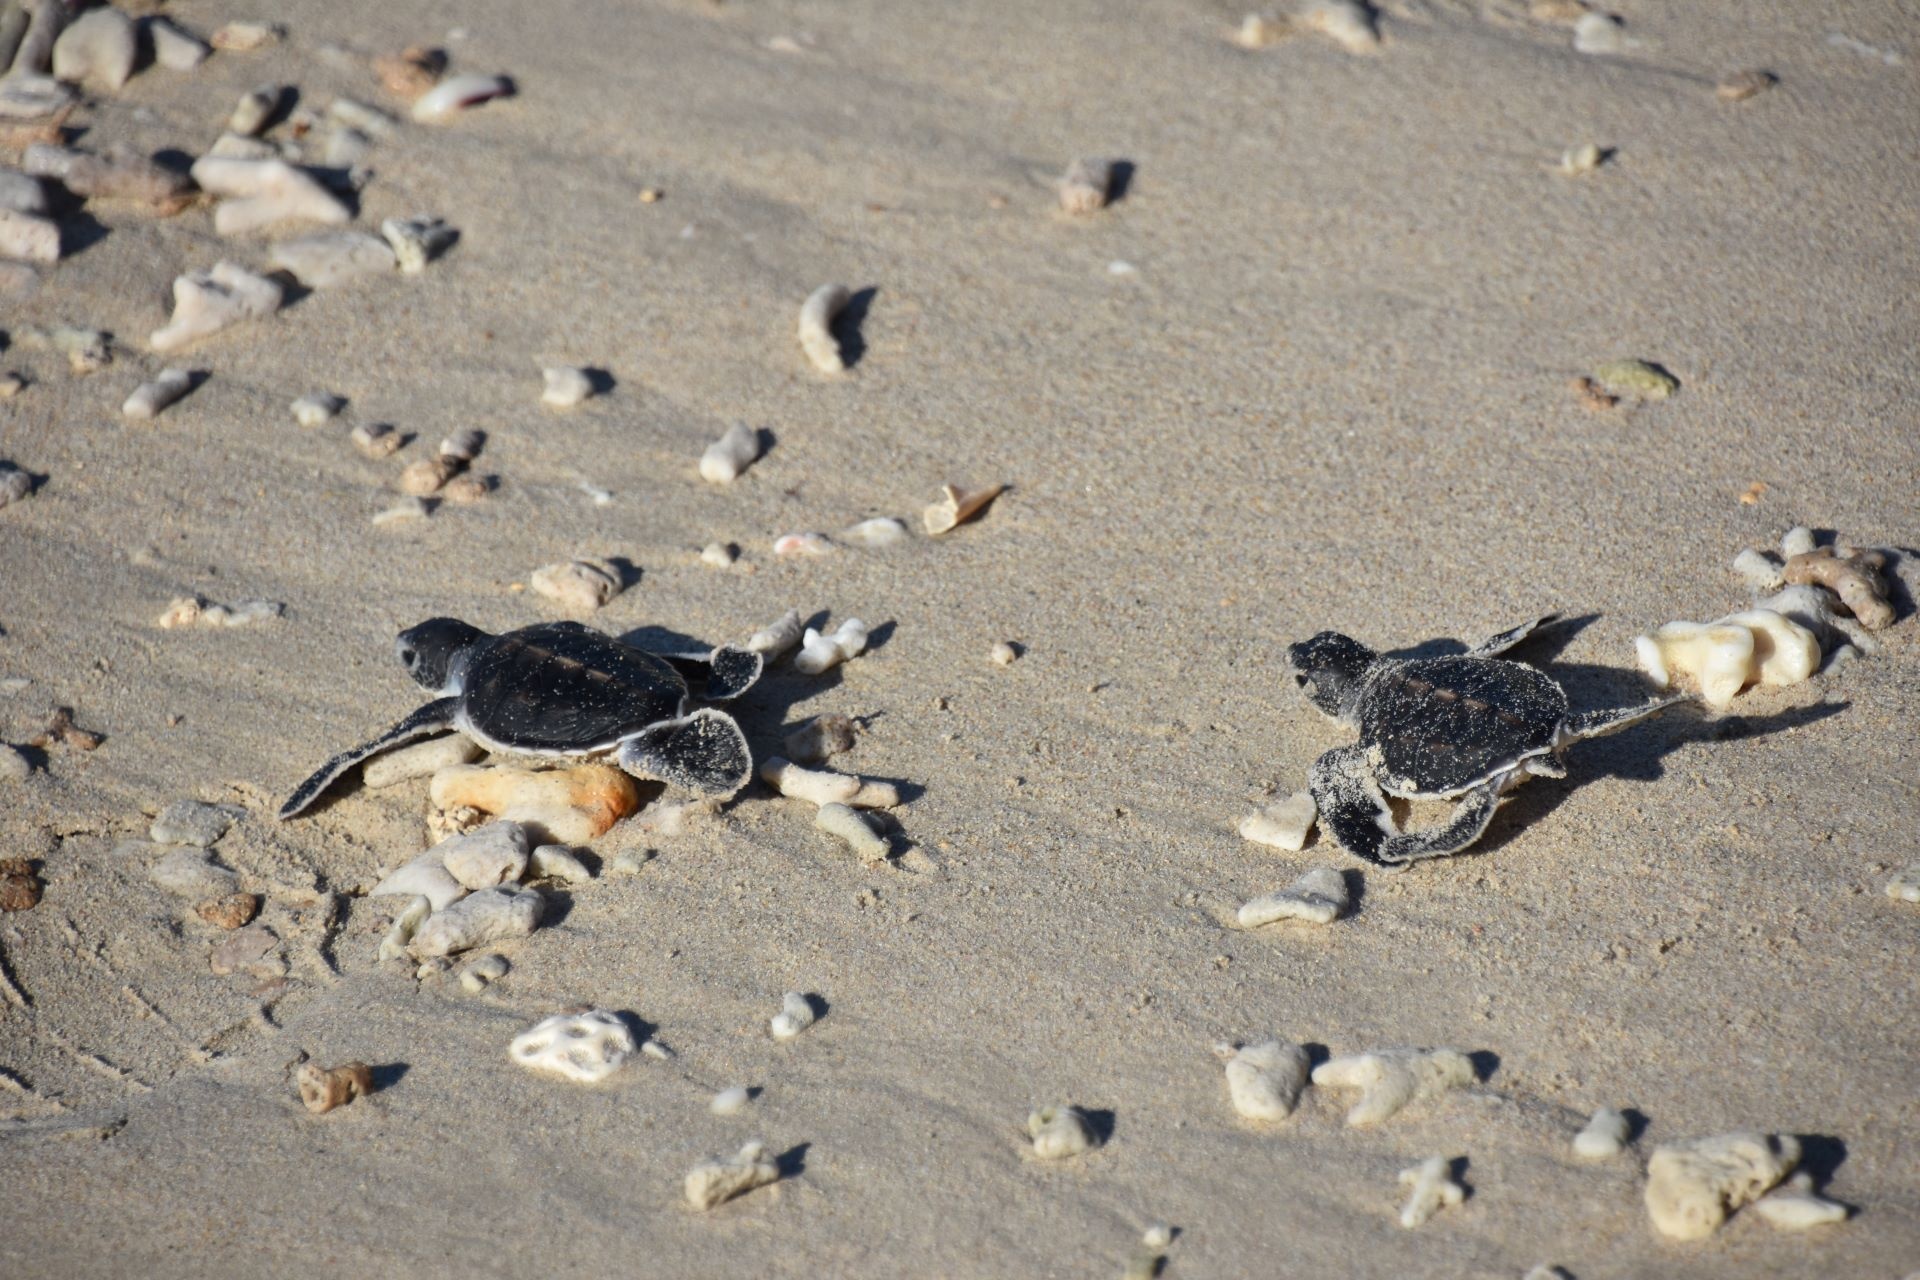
149	398
1905	885
775	640
796	1015
1060	1133
416	241
565	386
427	876
455	94
1284	825
816	326
881	531
205	302
190	822
174	47
731	454
97	48
22	192
580	585
802	544
820	739
1265	1080
31	97
1693	1186
557	862
824	786
730	1102
583	1047
316	408
394	945
353	114
329	258
1604	1136
820	652
28	237
486	856
255	108
492	915
1390	1079
1345	22
14	767
190	873
1319	897
847	824
1794	1206
259	193
477	976
1722	658
1084	187
718	1181
1598	33
1430	1186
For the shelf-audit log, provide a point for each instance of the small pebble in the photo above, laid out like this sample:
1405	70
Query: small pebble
1584	158
1742	85
730	455
719	555
149	398
1084	187
492	915
254	951
1905	885
375	439
456	94
1605	1135
229	911
404	510
1284	825
1060	1133
1389	1079
1692	1186
718	1181
487	969
630	862
15	484
419	760
327	259
796	1015
1636	378
816	327
426	476
1318	897
1002	654
416	241
190	822
729	1102
1793	1206
1598	34
20	887
1431	1187
802	544
557	862
319	406
188	872
566	386
14	765
323	1089
881	531
248	36
255	108
1265	1080
820	652
580	585
820	739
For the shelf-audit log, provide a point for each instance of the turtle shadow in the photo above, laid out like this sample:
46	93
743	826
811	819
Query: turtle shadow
1635	754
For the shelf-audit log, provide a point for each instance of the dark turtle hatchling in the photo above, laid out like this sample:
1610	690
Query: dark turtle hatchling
1467	728
564	689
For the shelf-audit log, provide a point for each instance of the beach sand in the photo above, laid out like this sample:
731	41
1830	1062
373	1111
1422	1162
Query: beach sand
1328	388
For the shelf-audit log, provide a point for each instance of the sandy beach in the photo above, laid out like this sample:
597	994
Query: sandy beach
1307	369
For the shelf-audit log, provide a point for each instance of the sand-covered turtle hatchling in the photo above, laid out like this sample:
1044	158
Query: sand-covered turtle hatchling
563	689
1469	727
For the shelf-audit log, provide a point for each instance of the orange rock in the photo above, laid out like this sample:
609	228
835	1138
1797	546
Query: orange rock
558	806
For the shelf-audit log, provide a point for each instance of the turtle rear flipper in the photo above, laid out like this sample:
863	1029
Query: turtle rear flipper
703	752
1512	636
1468	823
435	717
1594	724
1352	809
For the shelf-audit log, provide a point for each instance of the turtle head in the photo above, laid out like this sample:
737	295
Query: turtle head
427	651
1329	668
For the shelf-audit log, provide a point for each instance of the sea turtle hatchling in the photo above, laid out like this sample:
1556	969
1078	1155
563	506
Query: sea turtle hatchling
564	689
1470	727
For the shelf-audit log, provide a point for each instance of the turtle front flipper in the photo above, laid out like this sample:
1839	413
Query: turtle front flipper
435	717
1352	809
703	752
1468	823
1512	636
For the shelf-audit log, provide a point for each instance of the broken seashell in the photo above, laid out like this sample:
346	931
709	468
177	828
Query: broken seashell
1284	825
731	454
446	100
1347	23
411	72
775	640
488	969
582	1047
819	653
802	544
323	1089
1389	1079
718	1181
375	439
205	302
316	407
149	398
1636	378
571	806
881	531
490	915
1737	87
1264	1080
824	786
255	108
259	193
27	237
97	48
816	326
426	876
417	240
1693	1186
243	37
1084	187
1320	897
1059	1133
1431	1186
566	386
427	475
846	823
174	47
820	739
394	945
579	585
796	1015
487	856
1852	575
329	258
1604	1136
1793	1206
957	506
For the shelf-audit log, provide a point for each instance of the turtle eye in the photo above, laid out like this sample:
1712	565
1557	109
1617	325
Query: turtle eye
407	657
